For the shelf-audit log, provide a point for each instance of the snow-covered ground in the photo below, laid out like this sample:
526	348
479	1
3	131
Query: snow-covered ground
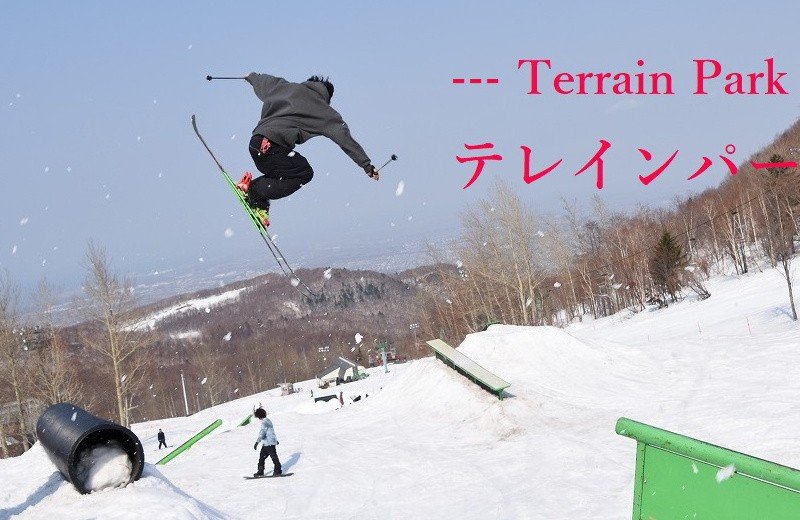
195	304
427	443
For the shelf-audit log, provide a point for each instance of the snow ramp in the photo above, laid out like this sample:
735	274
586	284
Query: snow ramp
554	378
549	362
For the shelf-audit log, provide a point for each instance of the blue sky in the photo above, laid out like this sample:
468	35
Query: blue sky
95	101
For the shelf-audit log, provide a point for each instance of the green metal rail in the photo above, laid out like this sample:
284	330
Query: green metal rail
188	444
469	368
680	477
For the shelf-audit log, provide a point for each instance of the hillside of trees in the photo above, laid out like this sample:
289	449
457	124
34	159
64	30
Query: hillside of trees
507	265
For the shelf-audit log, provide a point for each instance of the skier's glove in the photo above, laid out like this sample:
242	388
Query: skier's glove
371	172
255	446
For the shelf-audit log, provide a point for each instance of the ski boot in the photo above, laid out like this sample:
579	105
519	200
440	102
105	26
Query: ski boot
244	186
244	182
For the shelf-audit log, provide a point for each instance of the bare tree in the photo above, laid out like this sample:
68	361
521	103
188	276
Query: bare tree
11	351
3	441
52	378
110	309
208	361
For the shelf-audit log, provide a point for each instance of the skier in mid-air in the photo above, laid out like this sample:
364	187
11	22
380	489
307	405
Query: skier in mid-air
292	114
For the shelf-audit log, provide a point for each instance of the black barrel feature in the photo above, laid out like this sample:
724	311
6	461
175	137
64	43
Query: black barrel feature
67	431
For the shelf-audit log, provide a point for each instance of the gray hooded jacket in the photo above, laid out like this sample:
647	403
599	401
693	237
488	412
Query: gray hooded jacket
293	113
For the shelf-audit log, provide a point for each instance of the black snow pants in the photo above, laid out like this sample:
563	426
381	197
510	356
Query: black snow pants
269	451
285	171
160	442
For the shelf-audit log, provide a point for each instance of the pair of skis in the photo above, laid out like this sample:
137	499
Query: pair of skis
296	282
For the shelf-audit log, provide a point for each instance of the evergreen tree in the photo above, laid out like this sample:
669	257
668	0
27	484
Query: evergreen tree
666	266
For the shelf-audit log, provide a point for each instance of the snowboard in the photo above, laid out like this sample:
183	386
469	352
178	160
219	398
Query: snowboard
270	476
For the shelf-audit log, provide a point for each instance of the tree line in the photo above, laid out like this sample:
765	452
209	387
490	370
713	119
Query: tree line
517	267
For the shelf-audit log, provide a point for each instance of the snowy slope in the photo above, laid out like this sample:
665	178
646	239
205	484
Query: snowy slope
428	443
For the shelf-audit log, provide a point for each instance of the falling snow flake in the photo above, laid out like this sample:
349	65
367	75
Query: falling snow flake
295	282
557	285
401	186
359	337
204	381
228	233
327	273
725	473
227	337
23	221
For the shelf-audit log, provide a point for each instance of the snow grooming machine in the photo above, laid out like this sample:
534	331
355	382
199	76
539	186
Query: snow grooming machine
69	433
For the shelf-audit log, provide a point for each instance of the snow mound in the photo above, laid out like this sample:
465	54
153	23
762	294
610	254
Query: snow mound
550	372
44	493
543	361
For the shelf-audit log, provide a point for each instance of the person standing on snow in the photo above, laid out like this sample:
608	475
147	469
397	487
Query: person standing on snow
292	114
268	441
161	439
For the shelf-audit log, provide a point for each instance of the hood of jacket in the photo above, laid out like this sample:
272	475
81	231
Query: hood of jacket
319	88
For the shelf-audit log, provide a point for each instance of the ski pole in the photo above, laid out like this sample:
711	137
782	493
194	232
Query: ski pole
209	78
392	158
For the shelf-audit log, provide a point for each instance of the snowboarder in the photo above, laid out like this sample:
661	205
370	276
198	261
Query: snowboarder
268	441
161	439
292	114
